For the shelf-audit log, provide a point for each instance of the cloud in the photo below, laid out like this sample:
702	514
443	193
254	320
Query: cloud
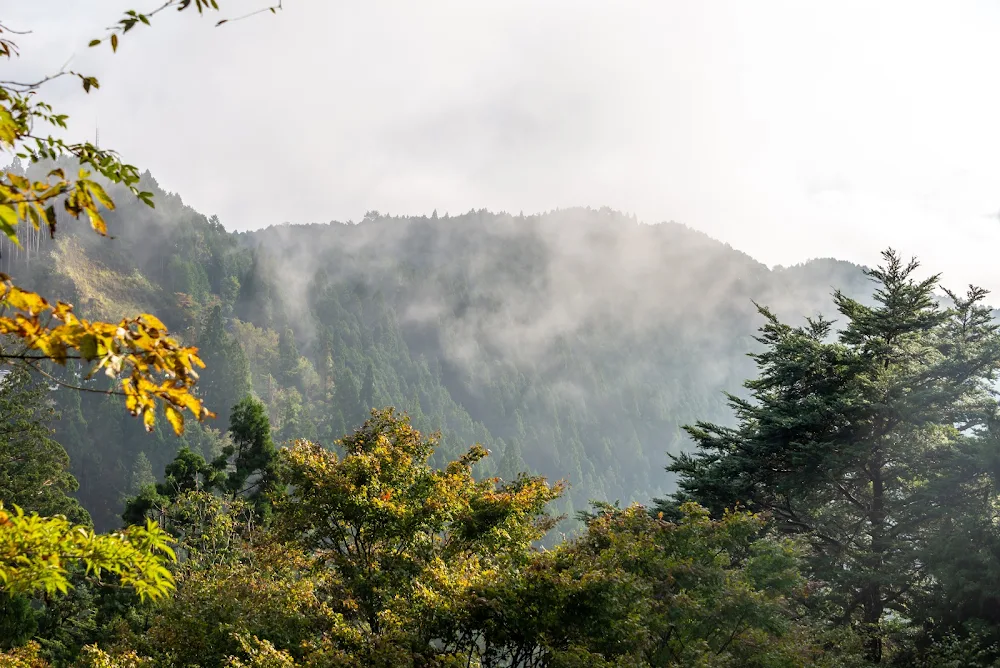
790	130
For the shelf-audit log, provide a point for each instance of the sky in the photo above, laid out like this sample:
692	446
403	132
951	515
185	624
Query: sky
790	130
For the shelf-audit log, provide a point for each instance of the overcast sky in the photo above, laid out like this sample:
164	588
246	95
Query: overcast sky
789	129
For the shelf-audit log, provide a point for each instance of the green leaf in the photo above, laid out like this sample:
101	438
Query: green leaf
88	347
8	219
94	42
114	42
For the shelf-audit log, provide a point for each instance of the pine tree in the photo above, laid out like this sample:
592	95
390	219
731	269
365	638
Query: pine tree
252	456
229	380
840	438
288	359
142	474
34	468
324	364
368	388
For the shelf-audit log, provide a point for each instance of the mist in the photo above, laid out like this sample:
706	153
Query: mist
835	137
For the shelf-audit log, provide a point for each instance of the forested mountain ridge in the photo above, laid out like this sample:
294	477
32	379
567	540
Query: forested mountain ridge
573	343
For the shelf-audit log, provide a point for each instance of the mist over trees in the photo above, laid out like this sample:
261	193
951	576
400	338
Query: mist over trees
473	324
836	510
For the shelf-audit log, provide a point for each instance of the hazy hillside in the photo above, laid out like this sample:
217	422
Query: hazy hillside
573	343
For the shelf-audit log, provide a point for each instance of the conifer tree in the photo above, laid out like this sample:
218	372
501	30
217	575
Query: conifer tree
252	457
841	437
230	377
368	388
288	359
34	468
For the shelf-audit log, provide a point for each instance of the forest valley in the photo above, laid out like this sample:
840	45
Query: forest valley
576	470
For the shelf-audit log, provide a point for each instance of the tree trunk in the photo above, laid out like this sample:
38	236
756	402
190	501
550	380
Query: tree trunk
874	606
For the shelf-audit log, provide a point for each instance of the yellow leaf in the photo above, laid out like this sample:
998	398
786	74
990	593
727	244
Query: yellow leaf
152	321
148	419
98	193
175	419
8	219
97	222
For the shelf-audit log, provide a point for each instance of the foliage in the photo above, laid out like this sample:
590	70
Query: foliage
36	552
154	366
638	590
252	455
230	380
381	516
33	467
851	442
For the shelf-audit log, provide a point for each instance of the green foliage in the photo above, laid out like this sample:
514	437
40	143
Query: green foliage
35	553
640	590
33	467
230	380
18	621
252	456
381	516
852	442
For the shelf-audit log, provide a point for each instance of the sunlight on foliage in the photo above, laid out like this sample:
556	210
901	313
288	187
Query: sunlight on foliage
151	366
36	552
154	366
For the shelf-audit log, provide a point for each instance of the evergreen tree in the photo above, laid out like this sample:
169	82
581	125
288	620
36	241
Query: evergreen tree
324	364
368	388
229	379
252	457
142	474
840	438
288	359
348	399
34	468
188	472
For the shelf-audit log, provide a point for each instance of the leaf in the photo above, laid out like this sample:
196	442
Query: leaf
88	347
114	42
94	42
175	419
8	219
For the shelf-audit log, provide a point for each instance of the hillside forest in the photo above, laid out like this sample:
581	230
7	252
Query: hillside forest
565	439
459	440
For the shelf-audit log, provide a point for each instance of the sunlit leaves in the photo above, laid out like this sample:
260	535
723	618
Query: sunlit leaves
151	366
383	496
403	537
36	552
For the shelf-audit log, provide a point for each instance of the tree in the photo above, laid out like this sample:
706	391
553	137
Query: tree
252	457
288	359
141	475
843	439
395	530
639	590
33	467
229	381
188	472
325	364
368	388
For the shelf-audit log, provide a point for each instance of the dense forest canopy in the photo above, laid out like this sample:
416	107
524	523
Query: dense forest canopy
575	343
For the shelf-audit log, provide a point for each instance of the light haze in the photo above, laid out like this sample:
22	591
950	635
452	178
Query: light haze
790	130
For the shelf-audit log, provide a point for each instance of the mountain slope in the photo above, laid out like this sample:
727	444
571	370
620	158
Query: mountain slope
574	343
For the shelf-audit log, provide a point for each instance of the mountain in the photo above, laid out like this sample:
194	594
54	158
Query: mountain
573	343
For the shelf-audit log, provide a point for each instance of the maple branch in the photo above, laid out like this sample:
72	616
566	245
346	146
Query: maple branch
69	386
24	87
23	356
